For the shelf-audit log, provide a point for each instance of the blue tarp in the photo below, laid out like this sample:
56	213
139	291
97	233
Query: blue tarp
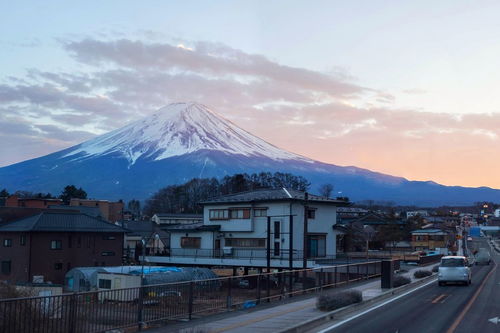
475	231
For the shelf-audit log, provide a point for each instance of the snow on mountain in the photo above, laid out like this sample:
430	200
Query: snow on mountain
179	129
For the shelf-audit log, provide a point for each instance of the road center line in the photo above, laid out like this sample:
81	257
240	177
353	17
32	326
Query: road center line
340	323
439	298
462	314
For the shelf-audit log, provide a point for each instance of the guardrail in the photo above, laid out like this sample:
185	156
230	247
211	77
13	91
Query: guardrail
104	310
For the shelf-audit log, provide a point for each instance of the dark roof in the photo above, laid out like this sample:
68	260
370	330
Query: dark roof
271	195
187	216
143	229
90	211
58	221
192	227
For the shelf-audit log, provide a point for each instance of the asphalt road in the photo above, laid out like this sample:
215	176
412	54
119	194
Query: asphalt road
452	308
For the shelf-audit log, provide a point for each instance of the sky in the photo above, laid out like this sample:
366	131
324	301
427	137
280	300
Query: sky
407	88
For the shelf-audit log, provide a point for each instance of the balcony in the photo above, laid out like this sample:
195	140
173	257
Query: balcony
255	257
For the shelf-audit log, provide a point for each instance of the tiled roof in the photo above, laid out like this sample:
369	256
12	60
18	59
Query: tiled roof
271	195
193	227
186	216
91	211
58	221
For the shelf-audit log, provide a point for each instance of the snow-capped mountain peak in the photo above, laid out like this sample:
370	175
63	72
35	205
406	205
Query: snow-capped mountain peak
179	129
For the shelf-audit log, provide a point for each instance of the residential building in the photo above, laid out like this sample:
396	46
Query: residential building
45	246
430	239
235	231
177	218
413	213
110	211
157	240
16	201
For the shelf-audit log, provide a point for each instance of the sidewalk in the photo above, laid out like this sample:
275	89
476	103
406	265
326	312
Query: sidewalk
274	318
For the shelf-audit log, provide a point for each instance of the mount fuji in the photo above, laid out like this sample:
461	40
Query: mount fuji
186	140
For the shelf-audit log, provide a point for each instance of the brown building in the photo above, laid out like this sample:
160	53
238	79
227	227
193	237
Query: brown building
51	243
110	211
15	201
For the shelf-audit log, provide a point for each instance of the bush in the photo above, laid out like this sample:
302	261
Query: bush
400	281
332	301
421	274
435	269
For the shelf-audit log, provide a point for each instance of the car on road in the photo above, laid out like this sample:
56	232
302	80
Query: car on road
483	257
454	269
469	238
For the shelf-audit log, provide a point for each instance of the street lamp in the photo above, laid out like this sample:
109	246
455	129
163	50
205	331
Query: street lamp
144	242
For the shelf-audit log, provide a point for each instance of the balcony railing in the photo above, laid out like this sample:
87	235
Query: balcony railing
238	253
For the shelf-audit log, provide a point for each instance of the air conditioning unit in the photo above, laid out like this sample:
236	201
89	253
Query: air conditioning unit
227	250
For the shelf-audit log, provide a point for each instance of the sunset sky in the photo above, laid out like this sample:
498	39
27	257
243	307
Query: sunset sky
408	88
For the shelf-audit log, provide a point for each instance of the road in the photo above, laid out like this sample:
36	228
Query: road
432	308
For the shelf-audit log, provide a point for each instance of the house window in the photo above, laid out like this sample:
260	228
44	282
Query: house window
245	242
276	248
240	213
107	253
108	237
104	284
55	245
311	214
277	229
6	267
260	212
191	242
22	240
419	238
219	214
7	242
58	266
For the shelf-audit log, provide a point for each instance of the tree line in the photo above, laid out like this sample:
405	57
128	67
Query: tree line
185	198
69	192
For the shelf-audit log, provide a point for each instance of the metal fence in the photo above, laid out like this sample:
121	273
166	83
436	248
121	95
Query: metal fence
100	311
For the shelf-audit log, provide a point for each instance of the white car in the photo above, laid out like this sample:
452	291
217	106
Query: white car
454	269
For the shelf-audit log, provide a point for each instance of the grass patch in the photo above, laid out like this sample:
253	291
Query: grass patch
337	300
400	281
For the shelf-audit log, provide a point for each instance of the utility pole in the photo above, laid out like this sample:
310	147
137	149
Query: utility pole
304	262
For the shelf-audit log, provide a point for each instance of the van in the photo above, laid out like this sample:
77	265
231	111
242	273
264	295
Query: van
483	257
454	269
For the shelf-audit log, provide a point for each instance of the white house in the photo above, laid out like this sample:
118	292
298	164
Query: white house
177	218
234	231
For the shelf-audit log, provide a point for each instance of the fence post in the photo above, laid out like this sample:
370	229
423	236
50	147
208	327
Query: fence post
229	301
321	280
335	278
140	307
366	274
357	275
190	302
258	289
268	287
347	272
72	313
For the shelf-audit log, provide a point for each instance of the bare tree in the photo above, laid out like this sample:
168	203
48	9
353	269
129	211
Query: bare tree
326	190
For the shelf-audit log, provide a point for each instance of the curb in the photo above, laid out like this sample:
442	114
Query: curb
323	318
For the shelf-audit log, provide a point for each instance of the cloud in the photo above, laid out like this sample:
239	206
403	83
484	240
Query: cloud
320	115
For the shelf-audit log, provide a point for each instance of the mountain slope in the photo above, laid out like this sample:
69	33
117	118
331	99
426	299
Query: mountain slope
187	140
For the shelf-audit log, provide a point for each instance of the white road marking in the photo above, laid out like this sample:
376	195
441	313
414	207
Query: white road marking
340	323
494	320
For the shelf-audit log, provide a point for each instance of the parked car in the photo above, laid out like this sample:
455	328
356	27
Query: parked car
469	238
483	257
454	269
